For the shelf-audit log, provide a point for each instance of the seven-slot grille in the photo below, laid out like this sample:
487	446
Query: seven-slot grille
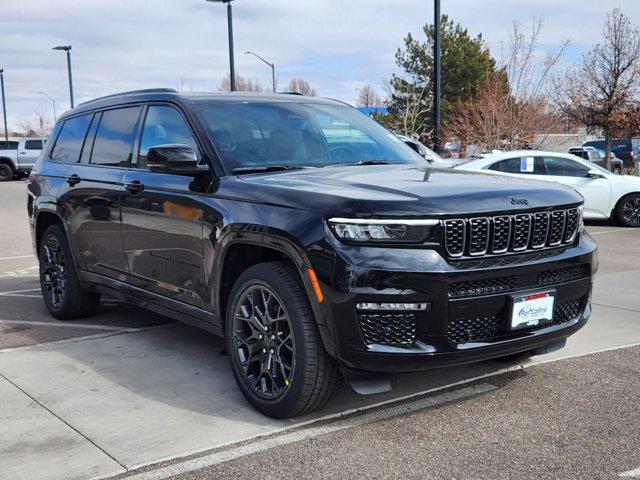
510	233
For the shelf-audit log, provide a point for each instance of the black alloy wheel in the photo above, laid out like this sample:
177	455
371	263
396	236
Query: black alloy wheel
628	210
264	341
53	274
277	356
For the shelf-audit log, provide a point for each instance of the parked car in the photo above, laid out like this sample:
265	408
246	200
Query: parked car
606	195
311	238
425	152
596	156
626	149
17	158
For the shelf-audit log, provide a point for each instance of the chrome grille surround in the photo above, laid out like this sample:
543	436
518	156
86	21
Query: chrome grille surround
516	233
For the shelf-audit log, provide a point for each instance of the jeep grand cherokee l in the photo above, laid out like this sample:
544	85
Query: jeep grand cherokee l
317	243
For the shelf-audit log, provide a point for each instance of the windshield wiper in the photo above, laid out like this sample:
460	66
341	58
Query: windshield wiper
375	162
267	168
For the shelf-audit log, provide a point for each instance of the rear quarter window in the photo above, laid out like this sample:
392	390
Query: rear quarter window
33	145
69	142
114	138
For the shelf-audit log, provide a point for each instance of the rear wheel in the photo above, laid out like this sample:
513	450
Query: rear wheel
275	350
627	211
6	172
62	292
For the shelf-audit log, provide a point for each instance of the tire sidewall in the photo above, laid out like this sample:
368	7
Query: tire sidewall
298	313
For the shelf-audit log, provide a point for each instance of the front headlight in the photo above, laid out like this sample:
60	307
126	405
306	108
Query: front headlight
382	230
580	218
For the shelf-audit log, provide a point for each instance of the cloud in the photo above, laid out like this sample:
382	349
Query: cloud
337	45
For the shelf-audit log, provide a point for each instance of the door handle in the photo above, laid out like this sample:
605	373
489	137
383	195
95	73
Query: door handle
23	153
134	187
73	180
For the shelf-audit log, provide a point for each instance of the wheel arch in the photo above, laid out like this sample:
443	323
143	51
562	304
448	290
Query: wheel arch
238	251
44	219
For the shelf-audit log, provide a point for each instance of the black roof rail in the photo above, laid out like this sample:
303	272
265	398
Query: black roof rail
291	93
131	92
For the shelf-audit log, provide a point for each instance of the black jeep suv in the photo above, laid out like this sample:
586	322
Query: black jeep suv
317	243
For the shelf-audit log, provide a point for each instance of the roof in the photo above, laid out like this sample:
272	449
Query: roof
169	94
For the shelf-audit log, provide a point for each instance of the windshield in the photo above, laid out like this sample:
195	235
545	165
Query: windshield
260	134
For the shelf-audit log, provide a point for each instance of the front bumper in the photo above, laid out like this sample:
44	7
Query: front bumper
469	305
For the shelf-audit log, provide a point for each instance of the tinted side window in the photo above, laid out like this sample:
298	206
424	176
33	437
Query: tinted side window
33	145
163	125
114	137
69	142
524	165
563	167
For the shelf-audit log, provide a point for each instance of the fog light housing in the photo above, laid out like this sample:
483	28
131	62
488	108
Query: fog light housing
393	306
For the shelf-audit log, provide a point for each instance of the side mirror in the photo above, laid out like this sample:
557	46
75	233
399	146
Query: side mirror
594	174
176	159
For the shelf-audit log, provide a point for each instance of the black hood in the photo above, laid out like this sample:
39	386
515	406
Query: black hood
407	190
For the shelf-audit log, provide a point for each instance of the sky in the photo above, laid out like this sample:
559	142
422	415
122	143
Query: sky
337	45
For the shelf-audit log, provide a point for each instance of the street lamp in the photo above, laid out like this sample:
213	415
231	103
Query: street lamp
54	105
272	65
67	48
4	108
232	69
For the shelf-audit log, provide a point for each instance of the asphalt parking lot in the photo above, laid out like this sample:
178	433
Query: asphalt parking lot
131	393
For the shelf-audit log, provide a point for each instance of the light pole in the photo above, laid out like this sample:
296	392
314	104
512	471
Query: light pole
67	48
54	105
4	108
272	65
436	76
232	68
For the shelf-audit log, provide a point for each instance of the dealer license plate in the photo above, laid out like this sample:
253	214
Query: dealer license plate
532	310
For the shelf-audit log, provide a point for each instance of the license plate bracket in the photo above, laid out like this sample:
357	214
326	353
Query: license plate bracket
532	309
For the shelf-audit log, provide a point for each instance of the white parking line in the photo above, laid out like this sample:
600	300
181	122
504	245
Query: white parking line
310	432
631	474
20	291
18	256
87	326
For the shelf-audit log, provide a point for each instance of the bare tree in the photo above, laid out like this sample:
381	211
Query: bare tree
511	108
243	84
368	97
185	86
300	85
605	82
38	125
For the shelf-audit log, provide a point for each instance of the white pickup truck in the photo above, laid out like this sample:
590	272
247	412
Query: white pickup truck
18	157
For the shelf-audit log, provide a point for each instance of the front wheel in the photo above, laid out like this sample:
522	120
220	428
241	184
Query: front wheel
276	354
6	172
617	170
627	211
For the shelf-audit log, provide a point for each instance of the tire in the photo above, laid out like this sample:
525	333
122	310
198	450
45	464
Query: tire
617	170
627	212
6	172
302	375
61	290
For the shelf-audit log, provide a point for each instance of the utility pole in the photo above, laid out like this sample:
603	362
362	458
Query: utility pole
436	77
4	108
232	67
